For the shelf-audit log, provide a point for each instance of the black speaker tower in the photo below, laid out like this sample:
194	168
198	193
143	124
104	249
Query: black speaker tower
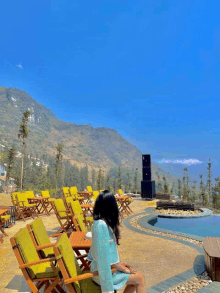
147	185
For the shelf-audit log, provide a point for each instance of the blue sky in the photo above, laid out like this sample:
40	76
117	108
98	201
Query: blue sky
149	69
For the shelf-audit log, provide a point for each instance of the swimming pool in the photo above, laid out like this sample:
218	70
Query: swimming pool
205	226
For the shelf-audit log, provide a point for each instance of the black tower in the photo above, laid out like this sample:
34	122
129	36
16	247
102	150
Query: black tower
147	185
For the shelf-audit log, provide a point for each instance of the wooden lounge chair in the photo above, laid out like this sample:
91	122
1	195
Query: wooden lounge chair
63	214
37	272
25	209
75	280
41	239
74	194
126	202
66	192
75	208
79	224
45	193
95	195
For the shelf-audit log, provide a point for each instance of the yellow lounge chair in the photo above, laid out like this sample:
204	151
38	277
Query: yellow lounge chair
37	272
75	280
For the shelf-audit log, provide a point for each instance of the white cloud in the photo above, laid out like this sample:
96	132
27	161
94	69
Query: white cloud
20	66
180	161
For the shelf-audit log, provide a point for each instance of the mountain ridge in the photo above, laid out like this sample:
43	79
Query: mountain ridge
83	144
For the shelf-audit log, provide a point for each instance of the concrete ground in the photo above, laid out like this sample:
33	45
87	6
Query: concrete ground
158	258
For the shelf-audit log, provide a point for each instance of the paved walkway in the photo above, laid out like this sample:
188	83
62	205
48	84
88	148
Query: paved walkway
160	258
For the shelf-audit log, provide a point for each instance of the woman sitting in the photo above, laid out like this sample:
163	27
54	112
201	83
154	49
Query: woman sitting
103	253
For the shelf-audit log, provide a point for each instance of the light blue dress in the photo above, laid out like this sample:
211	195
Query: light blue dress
102	254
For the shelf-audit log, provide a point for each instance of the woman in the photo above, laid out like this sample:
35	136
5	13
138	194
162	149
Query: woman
103	253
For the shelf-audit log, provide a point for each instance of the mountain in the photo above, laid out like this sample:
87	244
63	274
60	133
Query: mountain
83	144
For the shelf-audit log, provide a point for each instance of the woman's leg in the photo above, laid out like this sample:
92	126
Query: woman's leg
130	289
138	281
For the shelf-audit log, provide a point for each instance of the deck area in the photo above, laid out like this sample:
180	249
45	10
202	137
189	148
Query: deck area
158	258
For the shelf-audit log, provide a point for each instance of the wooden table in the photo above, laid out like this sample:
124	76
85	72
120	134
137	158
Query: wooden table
40	202
211	247
86	194
2	212
78	242
87	207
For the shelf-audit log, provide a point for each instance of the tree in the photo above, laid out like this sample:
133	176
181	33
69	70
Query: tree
93	179
99	179
186	190
10	163
166	186
194	196
180	192
203	195
159	184
209	181
119	178
136	180
172	189
58	162
216	194
108	186
22	135
128	182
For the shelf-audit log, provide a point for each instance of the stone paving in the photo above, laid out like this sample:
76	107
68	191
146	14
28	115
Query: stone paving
160	258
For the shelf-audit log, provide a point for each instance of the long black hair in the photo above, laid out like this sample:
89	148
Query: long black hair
106	209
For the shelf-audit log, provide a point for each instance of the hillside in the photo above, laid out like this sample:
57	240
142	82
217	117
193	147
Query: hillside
83	144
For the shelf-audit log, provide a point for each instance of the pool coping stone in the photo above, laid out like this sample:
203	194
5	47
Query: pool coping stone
199	267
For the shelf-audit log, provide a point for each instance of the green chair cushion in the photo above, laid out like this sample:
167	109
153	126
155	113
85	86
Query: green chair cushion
41	236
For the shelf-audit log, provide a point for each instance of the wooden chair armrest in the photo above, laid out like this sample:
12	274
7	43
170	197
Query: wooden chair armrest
26	265
55	235
40	247
84	276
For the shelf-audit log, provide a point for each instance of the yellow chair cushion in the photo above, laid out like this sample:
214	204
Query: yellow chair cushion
27	204
73	190
66	191
89	188
76	207
69	259
79	197
27	250
41	236
29	193
69	199
90	219
6	217
60	208
45	193
88	286
44	271
81	223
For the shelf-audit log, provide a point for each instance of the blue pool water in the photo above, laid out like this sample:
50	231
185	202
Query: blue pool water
205	226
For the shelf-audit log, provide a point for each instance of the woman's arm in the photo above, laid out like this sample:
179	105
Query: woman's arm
124	267
121	267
